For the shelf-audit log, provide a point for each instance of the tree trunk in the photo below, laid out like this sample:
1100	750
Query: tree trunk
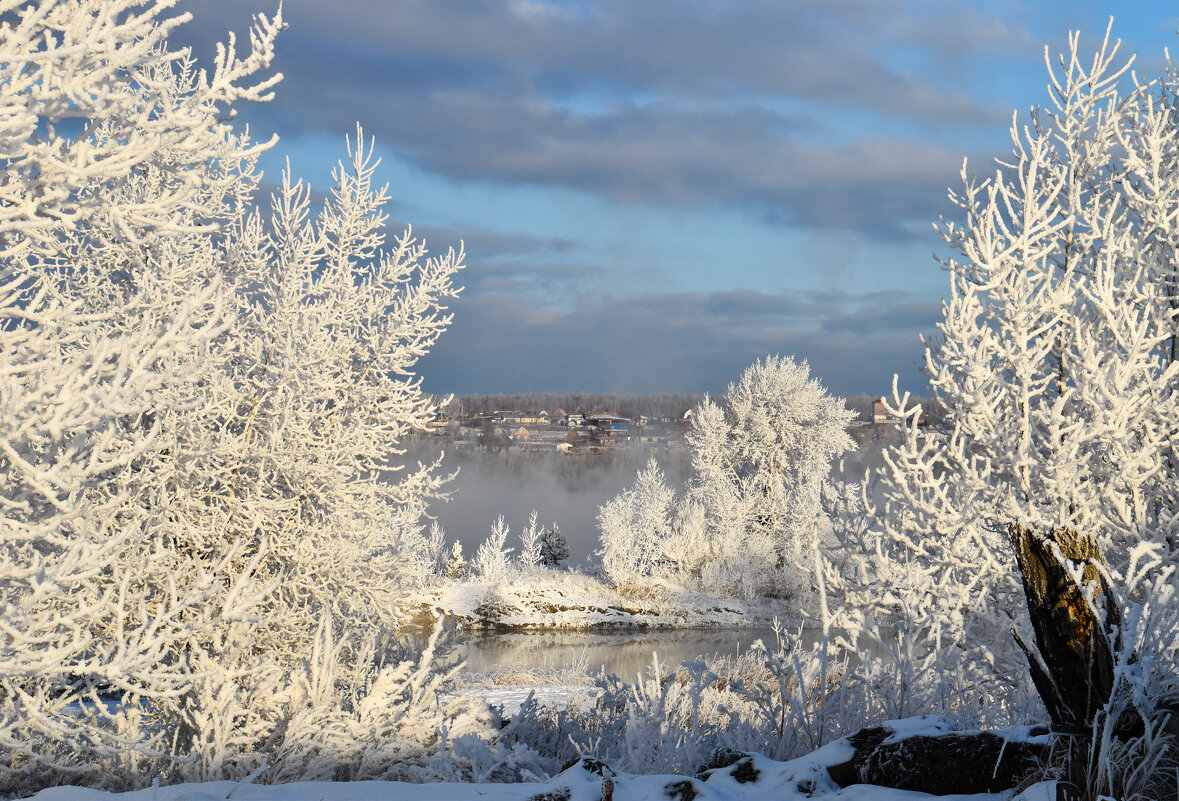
1076	621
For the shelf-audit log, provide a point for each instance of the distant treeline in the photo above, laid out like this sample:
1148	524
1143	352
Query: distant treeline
666	404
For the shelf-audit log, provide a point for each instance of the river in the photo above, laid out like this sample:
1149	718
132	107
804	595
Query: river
626	654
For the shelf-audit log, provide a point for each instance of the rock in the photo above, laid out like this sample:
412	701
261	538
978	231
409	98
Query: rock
681	791
590	765
744	772
556	794
721	758
947	764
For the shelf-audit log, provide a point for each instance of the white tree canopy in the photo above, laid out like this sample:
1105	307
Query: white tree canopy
751	516
201	406
1056	355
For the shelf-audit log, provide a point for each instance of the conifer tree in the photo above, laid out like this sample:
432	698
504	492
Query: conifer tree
554	548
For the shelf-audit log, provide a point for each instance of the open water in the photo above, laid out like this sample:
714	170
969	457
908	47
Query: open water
627	654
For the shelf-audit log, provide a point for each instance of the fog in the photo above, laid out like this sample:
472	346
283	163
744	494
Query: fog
563	489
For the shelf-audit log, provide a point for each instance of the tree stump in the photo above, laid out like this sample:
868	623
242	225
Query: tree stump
1076	624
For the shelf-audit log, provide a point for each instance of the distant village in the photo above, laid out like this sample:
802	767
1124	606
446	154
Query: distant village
598	433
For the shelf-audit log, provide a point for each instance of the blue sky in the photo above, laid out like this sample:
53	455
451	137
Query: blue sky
653	194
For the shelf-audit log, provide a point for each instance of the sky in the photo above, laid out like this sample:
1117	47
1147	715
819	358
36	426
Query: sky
653	194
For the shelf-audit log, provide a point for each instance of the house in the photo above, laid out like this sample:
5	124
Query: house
880	415
577	438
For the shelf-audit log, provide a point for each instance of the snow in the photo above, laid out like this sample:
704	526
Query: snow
548	600
510	698
935	725
798	779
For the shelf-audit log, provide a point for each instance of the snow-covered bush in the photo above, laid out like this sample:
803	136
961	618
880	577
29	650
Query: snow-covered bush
398	724
456	563
782	701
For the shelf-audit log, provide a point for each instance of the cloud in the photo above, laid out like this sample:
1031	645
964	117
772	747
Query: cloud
737	104
687	341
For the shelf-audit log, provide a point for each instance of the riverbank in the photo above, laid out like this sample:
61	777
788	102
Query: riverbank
547	600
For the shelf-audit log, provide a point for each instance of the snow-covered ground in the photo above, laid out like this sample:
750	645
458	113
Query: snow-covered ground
511	698
754	777
567	600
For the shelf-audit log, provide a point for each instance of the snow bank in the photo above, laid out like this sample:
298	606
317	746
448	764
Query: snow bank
574	601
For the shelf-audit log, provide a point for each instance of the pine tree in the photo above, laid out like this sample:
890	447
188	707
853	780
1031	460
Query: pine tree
456	564
554	548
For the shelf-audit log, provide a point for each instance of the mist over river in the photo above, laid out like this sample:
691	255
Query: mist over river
566	490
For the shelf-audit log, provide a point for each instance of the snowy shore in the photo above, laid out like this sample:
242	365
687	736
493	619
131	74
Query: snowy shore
548	600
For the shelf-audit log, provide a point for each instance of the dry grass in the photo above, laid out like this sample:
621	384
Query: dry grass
574	674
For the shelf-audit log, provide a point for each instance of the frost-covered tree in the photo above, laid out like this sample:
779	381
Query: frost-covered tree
1055	359
760	455
306	403
94	604
531	543
435	546
96	601
751	516
141	105
492	560
634	526
197	405
772	439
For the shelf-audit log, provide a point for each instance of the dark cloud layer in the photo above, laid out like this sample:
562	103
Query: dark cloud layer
818	115
677	341
734	104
